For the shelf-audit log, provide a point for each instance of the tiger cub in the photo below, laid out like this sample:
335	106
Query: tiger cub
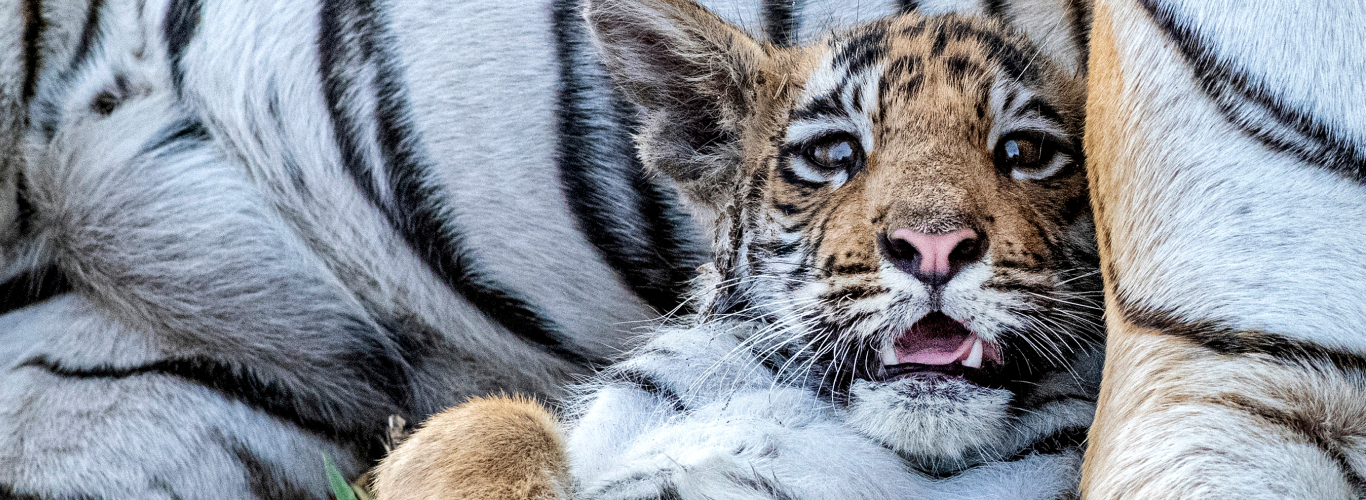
903	297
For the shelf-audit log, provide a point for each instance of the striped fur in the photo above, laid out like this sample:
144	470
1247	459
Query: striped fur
1229	186
239	234
776	389
260	228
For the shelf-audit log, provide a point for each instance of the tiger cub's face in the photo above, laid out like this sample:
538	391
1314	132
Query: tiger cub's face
904	205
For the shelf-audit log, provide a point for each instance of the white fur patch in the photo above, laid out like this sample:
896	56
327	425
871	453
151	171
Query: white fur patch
932	421
753	444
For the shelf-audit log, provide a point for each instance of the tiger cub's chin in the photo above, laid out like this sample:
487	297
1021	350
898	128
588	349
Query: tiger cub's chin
937	422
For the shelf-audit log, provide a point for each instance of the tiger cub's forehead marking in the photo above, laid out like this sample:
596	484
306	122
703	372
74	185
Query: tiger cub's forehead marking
884	65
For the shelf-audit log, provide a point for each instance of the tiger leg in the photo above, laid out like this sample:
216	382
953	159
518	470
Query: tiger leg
1179	420
1199	228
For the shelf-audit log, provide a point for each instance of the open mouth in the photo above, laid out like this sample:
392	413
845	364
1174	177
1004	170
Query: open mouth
937	345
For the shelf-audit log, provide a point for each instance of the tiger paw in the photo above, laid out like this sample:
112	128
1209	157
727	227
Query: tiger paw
495	448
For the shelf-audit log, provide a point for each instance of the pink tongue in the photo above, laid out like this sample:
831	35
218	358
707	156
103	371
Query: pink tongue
934	340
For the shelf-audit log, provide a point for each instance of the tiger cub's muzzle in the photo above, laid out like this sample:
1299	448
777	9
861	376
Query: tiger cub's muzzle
936	344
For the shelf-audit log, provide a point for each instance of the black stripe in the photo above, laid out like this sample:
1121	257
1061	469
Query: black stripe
941	41
1043	109
1272	347
234	383
1248	104
908	88
7	493
676	254
50	108
908	5
1079	18
89	32
34	25
1229	341
265	480
865	48
1059	441
339	52
633	221
32	287
1015	56
788	209
780	23
674	244
647	383
825	106
959	68
851	292
667	489
183	133
1308	428
352	36
182	20
995	8
769	488
23	206
668	492
786	173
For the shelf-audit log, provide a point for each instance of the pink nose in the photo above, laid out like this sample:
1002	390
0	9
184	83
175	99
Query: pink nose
933	258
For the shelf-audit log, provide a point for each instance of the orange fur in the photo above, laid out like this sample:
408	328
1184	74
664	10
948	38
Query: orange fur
495	448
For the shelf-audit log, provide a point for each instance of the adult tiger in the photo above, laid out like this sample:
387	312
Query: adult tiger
903	300
243	233
1228	168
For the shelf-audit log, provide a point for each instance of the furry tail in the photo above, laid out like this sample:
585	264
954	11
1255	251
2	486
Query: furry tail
495	448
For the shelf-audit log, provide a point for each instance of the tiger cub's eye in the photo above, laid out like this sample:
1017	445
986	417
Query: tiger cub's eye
835	154
1024	153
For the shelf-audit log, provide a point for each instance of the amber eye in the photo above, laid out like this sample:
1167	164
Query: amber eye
834	154
1027	155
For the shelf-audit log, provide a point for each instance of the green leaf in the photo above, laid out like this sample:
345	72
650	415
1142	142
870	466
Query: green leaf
336	482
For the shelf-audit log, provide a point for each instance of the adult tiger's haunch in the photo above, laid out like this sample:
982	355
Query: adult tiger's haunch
280	222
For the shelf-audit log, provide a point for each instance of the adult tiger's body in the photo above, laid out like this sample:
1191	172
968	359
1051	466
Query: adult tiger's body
1228	173
242	233
280	222
904	296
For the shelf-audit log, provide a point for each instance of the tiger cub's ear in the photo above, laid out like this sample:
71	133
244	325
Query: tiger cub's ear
693	75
